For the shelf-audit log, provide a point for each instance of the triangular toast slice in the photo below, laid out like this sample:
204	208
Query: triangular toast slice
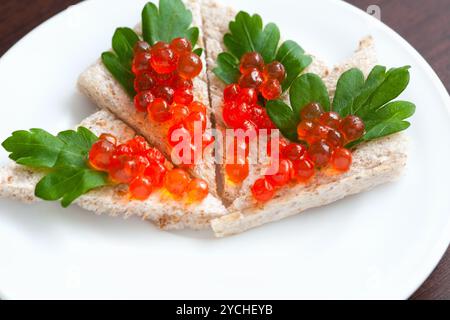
374	163
101	87
18	182
216	18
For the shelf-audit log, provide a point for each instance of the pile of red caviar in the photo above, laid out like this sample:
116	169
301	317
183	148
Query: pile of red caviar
265	78
242	109
143	169
326	134
163	83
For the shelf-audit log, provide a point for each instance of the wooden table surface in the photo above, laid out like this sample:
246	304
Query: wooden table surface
425	24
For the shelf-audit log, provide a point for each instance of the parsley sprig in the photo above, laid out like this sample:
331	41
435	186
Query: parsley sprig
370	99
62	157
247	34
171	20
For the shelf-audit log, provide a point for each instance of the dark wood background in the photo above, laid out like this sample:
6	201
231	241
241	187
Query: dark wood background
425	24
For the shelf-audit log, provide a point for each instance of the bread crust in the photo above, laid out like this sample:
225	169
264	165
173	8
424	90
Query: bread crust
18	182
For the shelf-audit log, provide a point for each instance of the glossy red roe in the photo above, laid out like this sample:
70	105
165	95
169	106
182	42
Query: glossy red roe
283	174
248	96
263	190
259	116
197	190
303	169
251	79
179	112
183	96
275	70
143	82
179	82
271	89
320	153
335	138
330	119
142	100
159	110
155	155
237	172
197	106
156	172
352	127
123	169
195	118
311	111
141	188
164	92
108	137
341	159
181	45
293	151
189	65
231	92
304	129
141	62
163	60
100	154
176	181
251	60
138	145
234	114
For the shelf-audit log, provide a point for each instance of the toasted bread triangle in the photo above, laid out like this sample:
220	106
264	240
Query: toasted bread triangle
18	182
101	87
374	163
216	18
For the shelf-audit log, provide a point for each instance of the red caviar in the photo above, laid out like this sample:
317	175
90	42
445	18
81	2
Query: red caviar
237	172
142	168
164	86
176	181
263	190
341	159
324	133
197	190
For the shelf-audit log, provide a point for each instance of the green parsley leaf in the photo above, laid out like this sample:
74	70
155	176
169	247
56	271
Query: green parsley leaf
283	117
293	57
63	156
123	43
122	74
306	89
395	83
388	119
35	148
227	68
354	95
247	34
76	147
171	21
69	183
198	51
348	86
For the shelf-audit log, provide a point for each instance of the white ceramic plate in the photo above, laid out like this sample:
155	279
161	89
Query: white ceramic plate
381	244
